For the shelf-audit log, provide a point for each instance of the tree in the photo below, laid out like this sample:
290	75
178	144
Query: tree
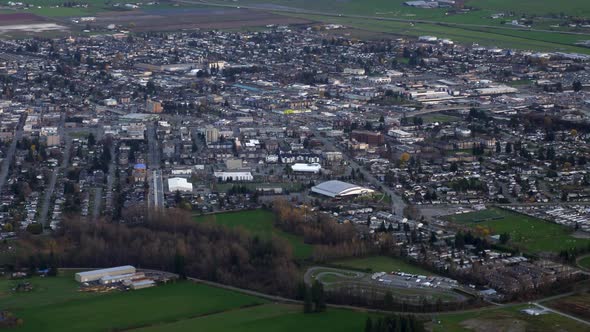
498	147
504	238
577	86
388	300
368	325
35	228
91	140
508	148
307	301
318	296
405	157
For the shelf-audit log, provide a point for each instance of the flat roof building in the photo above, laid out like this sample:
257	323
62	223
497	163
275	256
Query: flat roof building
98	274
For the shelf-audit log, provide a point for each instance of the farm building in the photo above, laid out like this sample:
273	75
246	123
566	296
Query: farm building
335	188
142	284
98	274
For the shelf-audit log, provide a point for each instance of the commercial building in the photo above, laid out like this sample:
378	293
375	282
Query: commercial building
179	184
335	188
153	106
369	137
98	274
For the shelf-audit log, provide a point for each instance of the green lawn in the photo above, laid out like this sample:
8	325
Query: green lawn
505	319
270	318
527	233
382	264
55	305
259	222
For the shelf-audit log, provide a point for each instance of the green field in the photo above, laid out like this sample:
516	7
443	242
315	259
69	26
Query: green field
55	305
270	318
504	319
381	264
260	223
585	262
527	233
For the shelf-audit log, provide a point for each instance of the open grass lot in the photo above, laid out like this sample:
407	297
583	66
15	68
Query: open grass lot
55	305
527	233
504	319
576	305
382	264
259	222
270	318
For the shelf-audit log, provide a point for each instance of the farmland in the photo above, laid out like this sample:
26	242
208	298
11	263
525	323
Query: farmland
54	304
270	317
505	319
259	223
576	305
381	264
526	233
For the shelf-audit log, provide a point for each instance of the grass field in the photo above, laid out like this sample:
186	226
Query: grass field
585	262
269	318
259	222
55	305
527	233
505	319
382	264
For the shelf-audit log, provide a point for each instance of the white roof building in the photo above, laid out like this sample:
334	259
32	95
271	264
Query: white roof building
335	188
98	274
234	176
179	184
308	168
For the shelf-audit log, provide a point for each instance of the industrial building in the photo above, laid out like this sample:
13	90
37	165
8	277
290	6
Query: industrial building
234	176
335	188
98	274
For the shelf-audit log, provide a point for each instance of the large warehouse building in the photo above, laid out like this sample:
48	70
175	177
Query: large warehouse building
335	188
98	274
179	184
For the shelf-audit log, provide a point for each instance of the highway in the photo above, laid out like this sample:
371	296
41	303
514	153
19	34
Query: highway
156	190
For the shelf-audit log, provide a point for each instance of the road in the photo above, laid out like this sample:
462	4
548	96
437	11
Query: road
10	154
156	190
291	10
96	203
110	180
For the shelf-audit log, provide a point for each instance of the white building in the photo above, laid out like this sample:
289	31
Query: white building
234	176
98	274
307	168
179	184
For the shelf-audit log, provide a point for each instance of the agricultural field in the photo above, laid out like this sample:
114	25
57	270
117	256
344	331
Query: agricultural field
270	317
527	233
260	223
576	305
381	264
504	319
54	304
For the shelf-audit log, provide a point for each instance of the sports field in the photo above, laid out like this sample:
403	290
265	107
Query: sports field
504	319
577	305
260	223
527	233
382	264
